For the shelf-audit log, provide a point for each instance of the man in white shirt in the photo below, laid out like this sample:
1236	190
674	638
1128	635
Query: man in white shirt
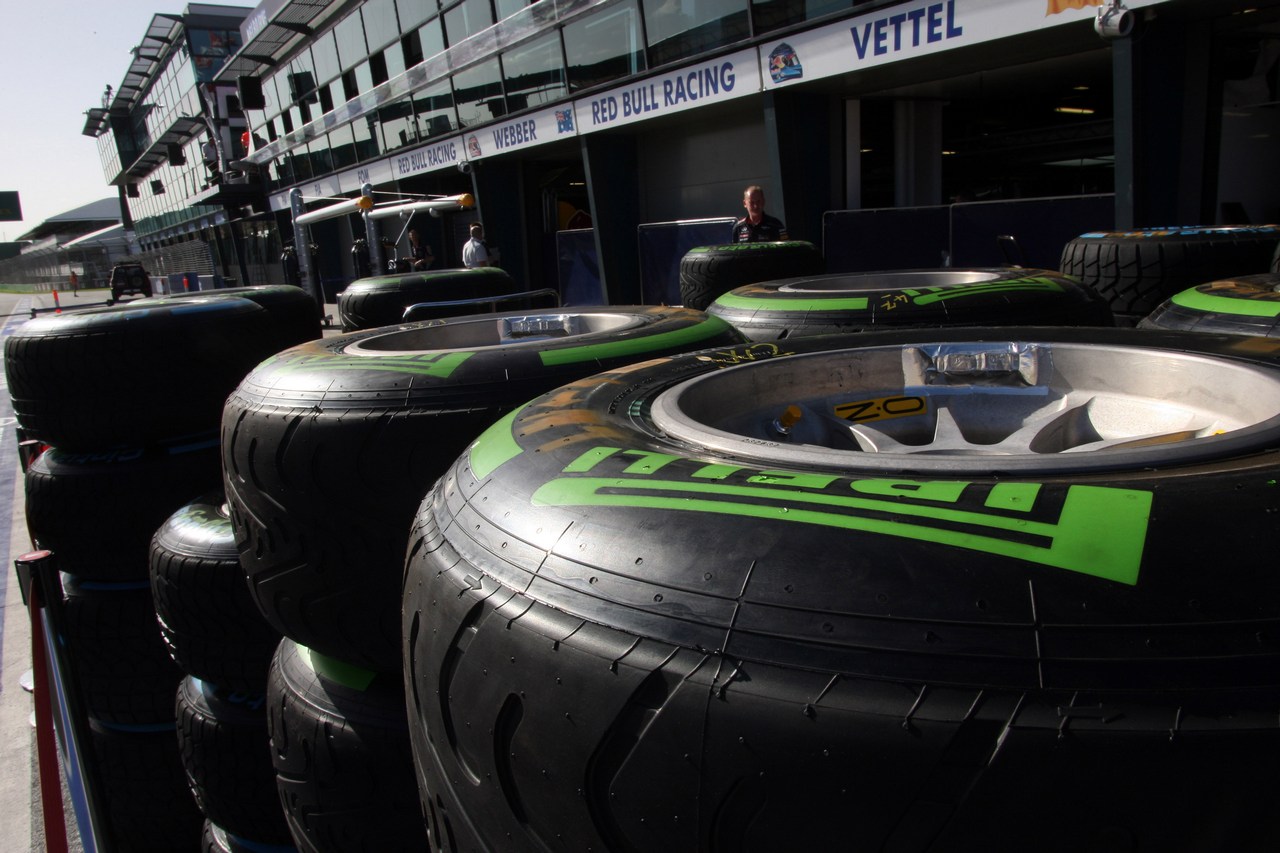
474	252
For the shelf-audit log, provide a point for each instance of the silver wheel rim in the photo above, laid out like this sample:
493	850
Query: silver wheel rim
983	407
485	332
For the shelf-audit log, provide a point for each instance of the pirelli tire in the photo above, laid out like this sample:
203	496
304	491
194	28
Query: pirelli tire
226	754
145	798
380	300
122	667
99	510
1137	270
294	313
994	588
340	748
329	447
208	620
1246	305
708	271
127	375
831	304
216	839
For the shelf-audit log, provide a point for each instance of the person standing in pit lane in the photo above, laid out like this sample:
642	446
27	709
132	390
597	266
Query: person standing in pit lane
757	226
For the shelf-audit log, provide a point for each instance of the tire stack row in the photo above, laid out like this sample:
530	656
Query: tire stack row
328	449
127	399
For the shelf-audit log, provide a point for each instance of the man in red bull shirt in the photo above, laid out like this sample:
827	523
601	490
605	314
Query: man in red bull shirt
757	226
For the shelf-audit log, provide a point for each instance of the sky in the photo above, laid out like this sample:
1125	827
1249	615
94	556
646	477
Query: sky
56	58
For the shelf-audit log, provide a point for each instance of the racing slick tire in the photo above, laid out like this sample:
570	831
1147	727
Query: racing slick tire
708	271
125	375
1246	305
340	748
329	447
208	620
1137	270
983	588
294	311
98	510
226	755
830	304
380	300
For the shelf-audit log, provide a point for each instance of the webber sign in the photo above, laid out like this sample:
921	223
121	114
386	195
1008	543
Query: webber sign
10	207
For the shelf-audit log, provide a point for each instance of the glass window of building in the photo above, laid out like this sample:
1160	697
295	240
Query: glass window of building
466	19
679	29
394	58
478	93
767	15
368	142
507	8
378	67
534	73
318	152
324	54
380	24
414	12
349	34
411	49
604	46
396	120
431	35
433	106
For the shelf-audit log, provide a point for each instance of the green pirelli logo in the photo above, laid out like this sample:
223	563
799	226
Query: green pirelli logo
801	300
1092	530
440	365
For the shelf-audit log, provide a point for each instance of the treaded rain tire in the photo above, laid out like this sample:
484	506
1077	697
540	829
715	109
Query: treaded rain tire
1136	270
98	510
123	668
329	447
708	271
226	754
124	375
147	802
1247	305
380	301
339	743
208	620
295	315
926	651
831	304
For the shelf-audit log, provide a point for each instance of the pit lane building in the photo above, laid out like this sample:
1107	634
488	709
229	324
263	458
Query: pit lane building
888	133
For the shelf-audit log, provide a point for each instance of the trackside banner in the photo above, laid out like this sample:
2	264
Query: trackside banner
713	81
912	29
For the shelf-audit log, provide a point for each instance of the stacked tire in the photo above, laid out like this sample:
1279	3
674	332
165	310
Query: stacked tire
214	632
1135	271
369	303
983	589
904	299
127	400
328	449
706	272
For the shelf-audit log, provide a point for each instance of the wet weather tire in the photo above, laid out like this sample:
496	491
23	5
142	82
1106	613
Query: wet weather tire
208	620
294	313
1137	270
708	271
380	301
339	744
630	580
103	377
147	802
226	754
329	447
123	668
1247	305
98	511
830	304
